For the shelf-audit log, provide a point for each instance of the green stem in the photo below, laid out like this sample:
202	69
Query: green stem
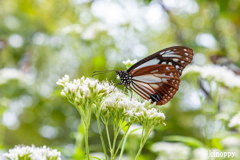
143	140
109	140
114	142
123	145
125	135
100	132
86	139
141	147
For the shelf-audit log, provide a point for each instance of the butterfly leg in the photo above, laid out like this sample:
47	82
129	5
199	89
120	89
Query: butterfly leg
116	85
129	90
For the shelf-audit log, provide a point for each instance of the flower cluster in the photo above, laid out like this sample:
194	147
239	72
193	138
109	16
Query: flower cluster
33	153
128	63
106	101
219	73
121	107
235	121
84	91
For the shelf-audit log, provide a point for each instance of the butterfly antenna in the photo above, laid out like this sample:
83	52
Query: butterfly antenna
101	72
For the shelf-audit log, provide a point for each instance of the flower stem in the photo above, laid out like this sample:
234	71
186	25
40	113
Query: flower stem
109	140
123	145
143	141
140	148
114	143
86	139
100	132
123	139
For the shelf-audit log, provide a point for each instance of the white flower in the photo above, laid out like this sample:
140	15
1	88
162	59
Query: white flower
62	81
128	63
33	153
219	73
235	121
63	93
200	154
231	142
171	150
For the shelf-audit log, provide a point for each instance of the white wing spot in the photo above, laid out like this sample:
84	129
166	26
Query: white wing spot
177	66
164	79
164	63
175	49
149	63
171	74
187	58
170	63
186	54
171	94
174	90
168	97
161	53
167	68
171	55
185	49
182	61
171	88
154	71
147	78
175	59
165	94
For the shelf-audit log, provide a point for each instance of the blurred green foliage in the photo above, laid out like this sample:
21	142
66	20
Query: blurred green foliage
42	40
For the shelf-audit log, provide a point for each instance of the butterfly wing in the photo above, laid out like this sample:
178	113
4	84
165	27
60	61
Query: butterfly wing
156	82
177	56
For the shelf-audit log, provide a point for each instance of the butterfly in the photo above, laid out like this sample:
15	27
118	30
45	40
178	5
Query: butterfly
157	77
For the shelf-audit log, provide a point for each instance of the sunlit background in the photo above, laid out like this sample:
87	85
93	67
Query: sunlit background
42	40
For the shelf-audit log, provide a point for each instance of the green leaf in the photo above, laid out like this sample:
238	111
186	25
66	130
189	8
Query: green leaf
134	130
124	126
187	140
216	143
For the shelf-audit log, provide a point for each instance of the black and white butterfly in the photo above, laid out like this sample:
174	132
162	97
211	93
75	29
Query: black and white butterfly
157	77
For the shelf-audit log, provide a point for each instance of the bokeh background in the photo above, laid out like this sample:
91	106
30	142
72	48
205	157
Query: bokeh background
42	40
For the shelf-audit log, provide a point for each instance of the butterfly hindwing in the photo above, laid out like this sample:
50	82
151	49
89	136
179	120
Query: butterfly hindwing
177	56
156	82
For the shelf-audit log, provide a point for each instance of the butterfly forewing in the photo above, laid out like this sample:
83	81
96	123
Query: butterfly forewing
156	82
177	56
